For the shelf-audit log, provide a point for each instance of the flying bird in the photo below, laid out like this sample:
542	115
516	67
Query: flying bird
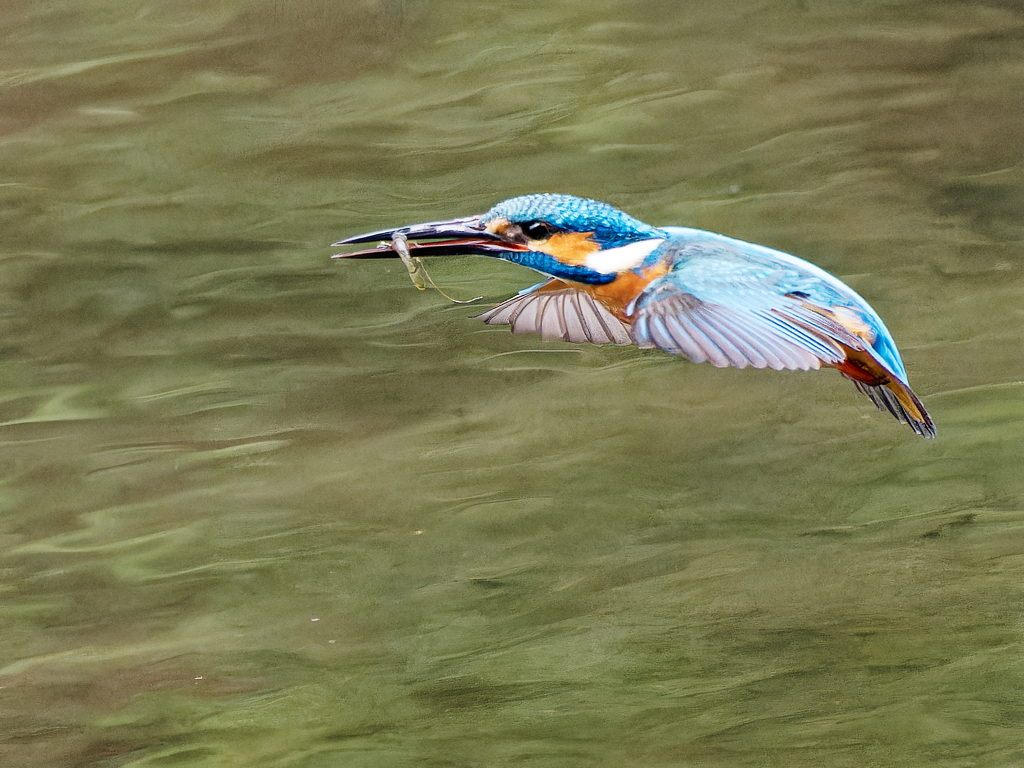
612	279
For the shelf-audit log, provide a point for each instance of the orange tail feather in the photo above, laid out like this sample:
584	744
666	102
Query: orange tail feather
886	392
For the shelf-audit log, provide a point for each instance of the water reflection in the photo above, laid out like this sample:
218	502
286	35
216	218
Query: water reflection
257	508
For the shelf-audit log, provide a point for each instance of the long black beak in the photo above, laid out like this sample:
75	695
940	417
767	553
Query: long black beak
456	237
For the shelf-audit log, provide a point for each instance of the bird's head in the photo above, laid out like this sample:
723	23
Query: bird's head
572	238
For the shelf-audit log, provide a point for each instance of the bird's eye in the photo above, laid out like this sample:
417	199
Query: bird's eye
537	230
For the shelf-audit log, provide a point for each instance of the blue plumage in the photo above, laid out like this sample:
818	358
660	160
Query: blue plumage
549	265
610	226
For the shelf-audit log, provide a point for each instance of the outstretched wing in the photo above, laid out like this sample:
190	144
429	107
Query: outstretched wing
728	302
558	311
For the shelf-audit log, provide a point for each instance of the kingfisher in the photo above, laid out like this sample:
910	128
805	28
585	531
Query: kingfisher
612	279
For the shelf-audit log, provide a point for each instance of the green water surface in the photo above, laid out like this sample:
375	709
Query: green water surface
258	508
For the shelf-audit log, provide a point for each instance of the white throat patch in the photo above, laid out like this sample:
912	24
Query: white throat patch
625	257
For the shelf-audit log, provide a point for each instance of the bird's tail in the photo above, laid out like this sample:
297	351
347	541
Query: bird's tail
898	399
887	390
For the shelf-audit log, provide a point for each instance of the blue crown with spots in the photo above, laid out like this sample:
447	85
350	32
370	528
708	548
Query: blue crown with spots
611	227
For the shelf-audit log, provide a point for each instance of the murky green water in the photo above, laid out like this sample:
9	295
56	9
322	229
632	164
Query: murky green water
259	508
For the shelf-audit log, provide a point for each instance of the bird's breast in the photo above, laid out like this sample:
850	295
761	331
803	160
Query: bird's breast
616	295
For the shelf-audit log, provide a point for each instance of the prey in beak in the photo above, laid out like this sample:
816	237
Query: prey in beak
545	247
455	237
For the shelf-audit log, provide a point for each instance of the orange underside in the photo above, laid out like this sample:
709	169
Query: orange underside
861	366
615	295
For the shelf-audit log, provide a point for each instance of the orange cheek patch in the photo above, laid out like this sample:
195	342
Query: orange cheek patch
569	247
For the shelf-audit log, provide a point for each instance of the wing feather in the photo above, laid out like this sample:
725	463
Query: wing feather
573	320
528	314
824	350
663	338
780	351
725	336
559	313
747	331
814	320
747	352
696	330
551	326
730	354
